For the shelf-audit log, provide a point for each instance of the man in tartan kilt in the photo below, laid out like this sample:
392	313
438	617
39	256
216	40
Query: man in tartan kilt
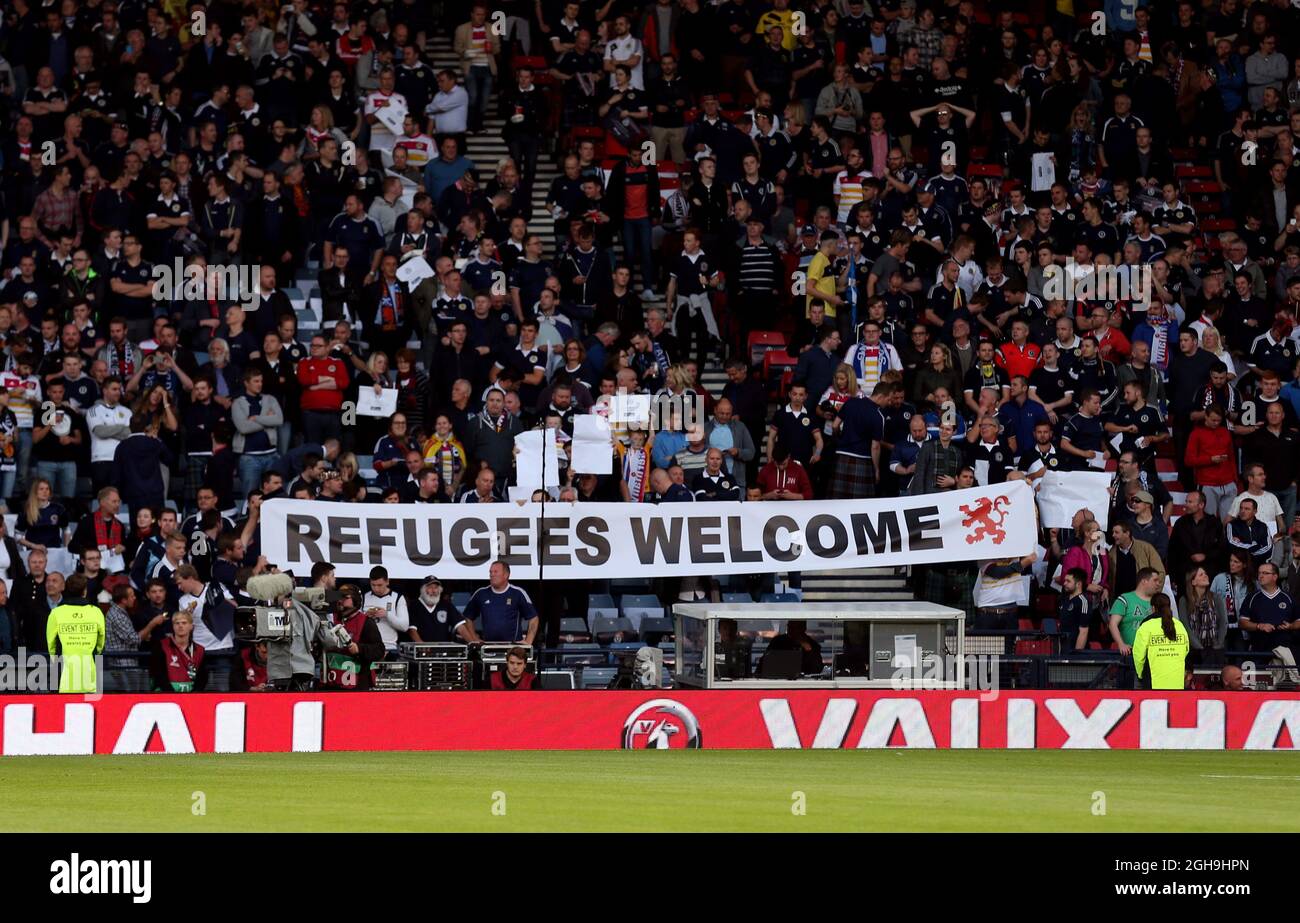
861	427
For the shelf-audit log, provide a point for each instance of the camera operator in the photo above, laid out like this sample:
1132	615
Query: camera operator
291	661
250	674
350	667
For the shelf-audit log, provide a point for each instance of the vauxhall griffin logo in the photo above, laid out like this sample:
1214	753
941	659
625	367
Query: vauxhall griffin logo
661	724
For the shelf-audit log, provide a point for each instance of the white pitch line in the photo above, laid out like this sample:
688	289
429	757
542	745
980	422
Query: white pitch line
1257	778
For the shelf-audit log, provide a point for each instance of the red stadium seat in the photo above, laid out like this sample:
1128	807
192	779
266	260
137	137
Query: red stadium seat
778	372
761	342
1191	170
1218	225
1203	187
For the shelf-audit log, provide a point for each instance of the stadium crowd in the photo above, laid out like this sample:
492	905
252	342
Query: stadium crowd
864	211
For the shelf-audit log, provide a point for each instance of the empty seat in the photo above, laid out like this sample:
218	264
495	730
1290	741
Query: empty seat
737	598
761	341
657	630
779	598
598	677
615	630
574	630
460	600
601	605
557	679
636	607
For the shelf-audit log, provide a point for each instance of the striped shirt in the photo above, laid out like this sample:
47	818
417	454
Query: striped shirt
848	192
759	268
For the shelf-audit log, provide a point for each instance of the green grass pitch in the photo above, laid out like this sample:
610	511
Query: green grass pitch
701	790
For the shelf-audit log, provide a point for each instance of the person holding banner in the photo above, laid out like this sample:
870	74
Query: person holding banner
937	463
1001	589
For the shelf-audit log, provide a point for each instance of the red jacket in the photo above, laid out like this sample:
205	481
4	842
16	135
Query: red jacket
1016	360
1202	446
794	479
311	371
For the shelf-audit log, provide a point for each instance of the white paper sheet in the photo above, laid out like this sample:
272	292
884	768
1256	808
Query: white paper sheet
1043	168
631	408
906	653
392	117
529	462
592	447
370	404
414	271
1061	494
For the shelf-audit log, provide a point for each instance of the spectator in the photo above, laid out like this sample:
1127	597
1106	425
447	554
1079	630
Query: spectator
1204	616
1211	456
387	607
504	611
1128	557
177	663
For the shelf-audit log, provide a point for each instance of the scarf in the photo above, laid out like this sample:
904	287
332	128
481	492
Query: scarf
445	455
1205	623
391	308
870	363
497	424
661	357
108	534
121	361
636	472
852	291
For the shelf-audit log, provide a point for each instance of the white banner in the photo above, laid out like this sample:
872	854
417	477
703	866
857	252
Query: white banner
607	540
1061	494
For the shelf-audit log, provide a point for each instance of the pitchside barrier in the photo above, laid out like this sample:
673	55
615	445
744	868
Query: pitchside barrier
734	719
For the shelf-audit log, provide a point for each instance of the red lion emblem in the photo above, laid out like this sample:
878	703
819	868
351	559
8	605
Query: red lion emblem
988	515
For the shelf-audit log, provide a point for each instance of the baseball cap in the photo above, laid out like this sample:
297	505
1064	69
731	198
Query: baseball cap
430	579
809	231
1143	496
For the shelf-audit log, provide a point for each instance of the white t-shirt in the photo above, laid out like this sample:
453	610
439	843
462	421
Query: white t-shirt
202	635
380	137
393	626
1267	507
102	450
621	49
